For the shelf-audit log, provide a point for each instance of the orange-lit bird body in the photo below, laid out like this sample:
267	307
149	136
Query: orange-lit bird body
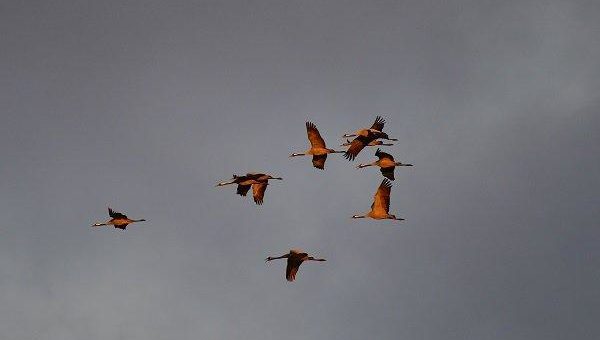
386	163
381	203
257	181
118	220
317	149
365	137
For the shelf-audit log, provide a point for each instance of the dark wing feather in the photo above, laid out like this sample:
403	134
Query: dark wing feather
383	155
356	146
253	175
115	214
378	124
319	161
316	141
121	226
293	264
388	172
242	190
258	192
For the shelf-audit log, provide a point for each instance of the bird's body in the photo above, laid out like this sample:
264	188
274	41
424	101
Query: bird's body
386	163
294	259
118	220
257	181
317	149
365	137
381	204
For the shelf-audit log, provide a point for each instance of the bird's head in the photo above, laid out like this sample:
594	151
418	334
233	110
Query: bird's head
358	216
294	154
272	177
268	259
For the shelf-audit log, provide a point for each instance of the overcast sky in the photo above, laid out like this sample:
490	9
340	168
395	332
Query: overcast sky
145	105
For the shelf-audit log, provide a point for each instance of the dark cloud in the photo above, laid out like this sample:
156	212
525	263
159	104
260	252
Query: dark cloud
144	106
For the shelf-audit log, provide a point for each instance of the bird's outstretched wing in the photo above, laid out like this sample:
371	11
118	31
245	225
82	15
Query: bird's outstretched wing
388	172
319	161
381	155
381	200
121	226
258	192
293	264
356	146
378	124
115	214
242	190
316	141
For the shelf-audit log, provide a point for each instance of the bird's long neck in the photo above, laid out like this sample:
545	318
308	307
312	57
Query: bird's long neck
359	216
98	224
402	164
278	257
140	220
295	154
226	183
335	151
366	165
348	135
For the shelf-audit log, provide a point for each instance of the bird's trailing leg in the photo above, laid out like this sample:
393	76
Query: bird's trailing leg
310	258
393	217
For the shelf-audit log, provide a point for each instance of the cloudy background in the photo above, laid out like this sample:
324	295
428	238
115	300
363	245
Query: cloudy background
145	105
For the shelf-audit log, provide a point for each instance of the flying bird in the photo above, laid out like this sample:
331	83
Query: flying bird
117	220
294	259
243	182
257	181
373	143
317	147
381	204
386	163
364	137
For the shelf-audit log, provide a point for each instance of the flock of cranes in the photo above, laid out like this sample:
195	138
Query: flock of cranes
380	208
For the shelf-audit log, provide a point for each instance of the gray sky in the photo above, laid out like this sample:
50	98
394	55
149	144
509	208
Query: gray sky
145	105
